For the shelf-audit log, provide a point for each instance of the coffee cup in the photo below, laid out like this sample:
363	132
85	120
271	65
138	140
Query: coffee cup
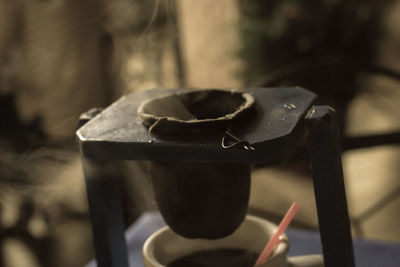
164	246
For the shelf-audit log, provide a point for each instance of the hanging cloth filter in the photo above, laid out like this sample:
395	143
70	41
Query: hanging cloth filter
199	200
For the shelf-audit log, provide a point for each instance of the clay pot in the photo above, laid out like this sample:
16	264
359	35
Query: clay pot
195	111
199	200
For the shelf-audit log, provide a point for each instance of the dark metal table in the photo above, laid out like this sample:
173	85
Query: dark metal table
282	117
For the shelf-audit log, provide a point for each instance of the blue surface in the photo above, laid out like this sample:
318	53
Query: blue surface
367	253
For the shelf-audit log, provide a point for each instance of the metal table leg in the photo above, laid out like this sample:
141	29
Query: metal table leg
329	188
106	217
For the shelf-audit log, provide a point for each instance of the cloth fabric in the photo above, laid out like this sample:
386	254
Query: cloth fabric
368	253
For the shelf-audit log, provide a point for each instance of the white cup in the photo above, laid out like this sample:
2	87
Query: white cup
164	246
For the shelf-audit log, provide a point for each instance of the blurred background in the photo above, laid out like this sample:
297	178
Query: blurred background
60	58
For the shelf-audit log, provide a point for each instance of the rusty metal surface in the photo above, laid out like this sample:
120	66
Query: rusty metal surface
273	131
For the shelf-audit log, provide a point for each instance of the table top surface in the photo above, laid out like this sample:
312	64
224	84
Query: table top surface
273	131
368	253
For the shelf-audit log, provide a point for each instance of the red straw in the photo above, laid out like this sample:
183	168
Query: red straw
279	231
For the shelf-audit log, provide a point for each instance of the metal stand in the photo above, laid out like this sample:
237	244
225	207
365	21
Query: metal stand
277	126
329	188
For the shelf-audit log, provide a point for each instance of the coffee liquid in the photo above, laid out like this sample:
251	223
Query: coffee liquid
224	257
